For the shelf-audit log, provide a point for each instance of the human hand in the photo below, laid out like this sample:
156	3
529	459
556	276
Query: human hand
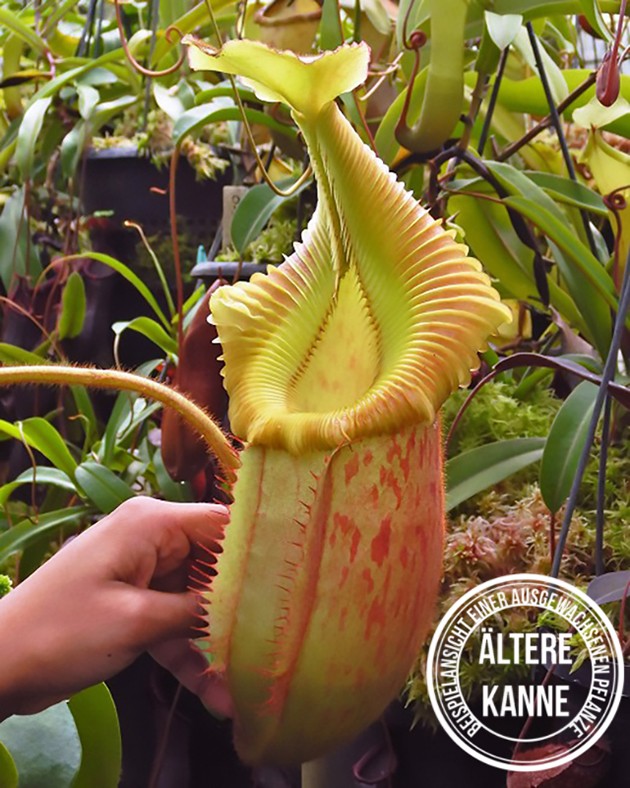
114	591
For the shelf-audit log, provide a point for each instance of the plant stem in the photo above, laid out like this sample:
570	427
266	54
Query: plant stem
56	375
511	149
487	122
600	514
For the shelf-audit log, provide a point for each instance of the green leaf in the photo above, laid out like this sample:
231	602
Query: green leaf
26	532
131	277
45	747
101	485
88	99
564	445
503	28
518	184
28	134
71	148
330	33
590	9
594	309
18	255
197	117
13	22
151	330
42	436
42	474
168	101
8	770
73	304
254	211
96	719
12	354
564	190
474	471
584	260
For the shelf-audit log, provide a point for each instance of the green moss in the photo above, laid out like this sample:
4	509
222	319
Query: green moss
5	585
496	414
271	246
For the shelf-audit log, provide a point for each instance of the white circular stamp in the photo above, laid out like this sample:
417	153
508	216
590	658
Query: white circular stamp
474	631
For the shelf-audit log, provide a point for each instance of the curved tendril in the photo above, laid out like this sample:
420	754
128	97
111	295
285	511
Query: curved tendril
382	75
147	72
248	129
48	335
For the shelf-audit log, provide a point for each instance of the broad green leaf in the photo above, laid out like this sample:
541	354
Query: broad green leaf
107	110
375	12
41	474
476	470
588	264
41	435
564	190
196	118
594	309
88	99
254	211
26	532
131	277
45	747
503	28
18	255
73	304
30	128
96	720
115	424
564	445
12	354
518	184
151	330
330	32
168	101
12	22
101	485
8	770
72	147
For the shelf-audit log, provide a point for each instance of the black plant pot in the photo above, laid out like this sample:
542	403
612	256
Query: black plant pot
129	184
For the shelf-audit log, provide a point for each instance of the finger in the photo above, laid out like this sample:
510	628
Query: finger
190	667
162	616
